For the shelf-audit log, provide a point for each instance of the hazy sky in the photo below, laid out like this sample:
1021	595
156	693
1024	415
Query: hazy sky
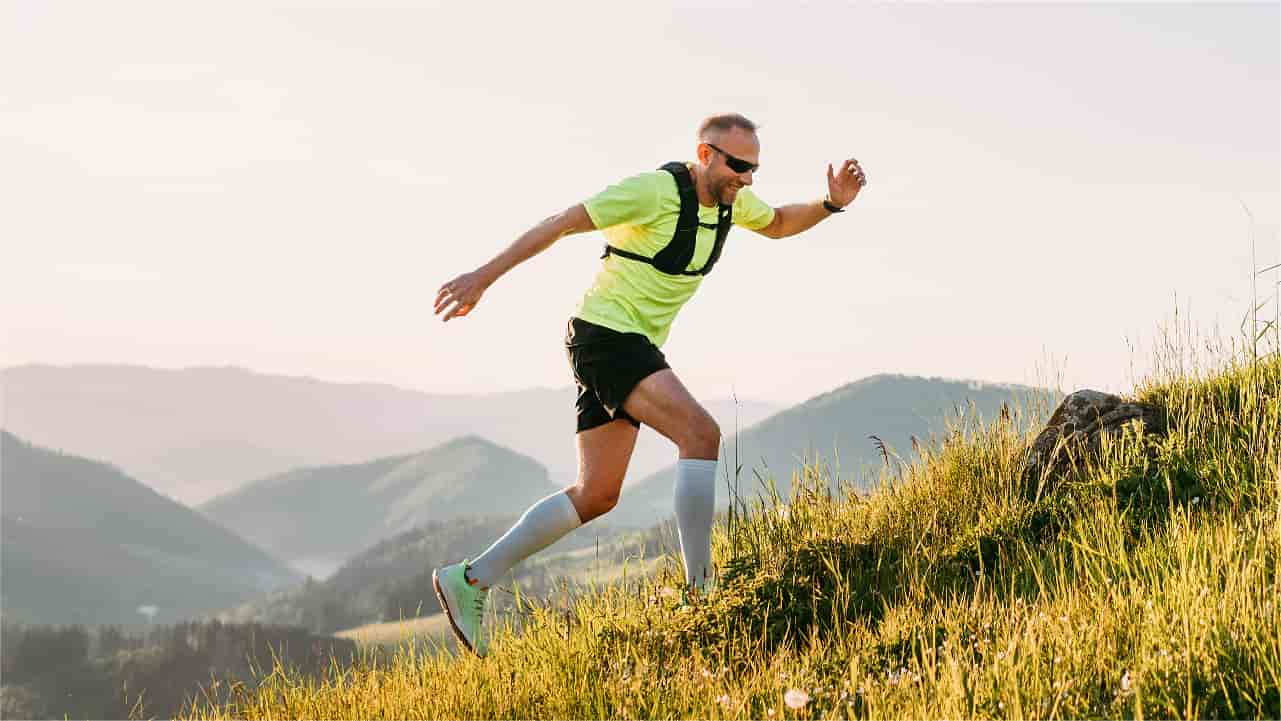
284	188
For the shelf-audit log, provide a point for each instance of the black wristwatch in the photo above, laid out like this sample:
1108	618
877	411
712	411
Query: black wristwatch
832	208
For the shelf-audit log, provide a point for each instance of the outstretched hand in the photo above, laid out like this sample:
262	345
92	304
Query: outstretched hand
843	186
462	293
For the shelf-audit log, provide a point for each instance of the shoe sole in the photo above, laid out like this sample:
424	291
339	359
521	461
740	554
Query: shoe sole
449	616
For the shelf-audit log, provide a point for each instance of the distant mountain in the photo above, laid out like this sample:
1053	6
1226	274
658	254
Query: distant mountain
84	543
199	432
834	427
327	514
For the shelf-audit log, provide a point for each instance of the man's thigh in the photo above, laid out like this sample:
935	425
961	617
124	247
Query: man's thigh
605	451
663	403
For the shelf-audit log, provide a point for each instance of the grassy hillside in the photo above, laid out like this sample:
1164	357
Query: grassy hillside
543	578
1146	583
836	428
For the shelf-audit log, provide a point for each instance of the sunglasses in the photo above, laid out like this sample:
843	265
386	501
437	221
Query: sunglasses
738	165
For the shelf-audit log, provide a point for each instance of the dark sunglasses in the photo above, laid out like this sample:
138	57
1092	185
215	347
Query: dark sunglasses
738	165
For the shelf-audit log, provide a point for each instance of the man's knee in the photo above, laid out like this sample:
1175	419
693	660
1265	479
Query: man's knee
704	437
594	501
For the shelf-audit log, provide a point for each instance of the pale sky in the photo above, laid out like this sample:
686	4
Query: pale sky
284	188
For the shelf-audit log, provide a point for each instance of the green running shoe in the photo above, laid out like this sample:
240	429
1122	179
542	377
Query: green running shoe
464	604
699	593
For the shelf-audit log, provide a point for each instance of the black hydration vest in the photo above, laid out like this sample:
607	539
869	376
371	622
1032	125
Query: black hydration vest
674	258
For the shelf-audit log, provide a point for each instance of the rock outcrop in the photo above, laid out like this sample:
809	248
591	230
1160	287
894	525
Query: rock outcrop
1074	433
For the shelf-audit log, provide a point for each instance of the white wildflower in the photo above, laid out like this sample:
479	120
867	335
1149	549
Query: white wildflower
796	698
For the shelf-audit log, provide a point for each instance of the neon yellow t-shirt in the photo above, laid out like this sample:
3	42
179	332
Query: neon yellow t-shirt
639	214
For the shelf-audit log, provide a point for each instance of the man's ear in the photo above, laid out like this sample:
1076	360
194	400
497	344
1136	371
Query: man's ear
704	154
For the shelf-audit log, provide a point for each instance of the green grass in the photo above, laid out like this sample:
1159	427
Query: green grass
1145	584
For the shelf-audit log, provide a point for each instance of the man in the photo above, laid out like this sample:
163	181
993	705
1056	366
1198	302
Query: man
665	230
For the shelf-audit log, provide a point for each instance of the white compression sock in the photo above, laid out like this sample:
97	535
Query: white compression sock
695	505
540	526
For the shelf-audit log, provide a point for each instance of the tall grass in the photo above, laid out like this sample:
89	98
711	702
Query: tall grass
1145	583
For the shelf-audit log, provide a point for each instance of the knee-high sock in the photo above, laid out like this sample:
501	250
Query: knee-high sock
695	496
540	526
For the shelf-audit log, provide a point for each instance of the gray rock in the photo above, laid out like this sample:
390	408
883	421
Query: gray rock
1074	430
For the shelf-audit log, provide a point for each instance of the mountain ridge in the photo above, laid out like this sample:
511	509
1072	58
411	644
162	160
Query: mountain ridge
211	429
295	514
111	544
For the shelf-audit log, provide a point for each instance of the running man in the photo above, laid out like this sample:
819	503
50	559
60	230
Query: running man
665	230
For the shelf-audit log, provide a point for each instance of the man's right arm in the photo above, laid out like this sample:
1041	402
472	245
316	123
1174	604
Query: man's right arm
464	292
537	239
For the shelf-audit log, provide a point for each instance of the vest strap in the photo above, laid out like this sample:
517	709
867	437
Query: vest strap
679	251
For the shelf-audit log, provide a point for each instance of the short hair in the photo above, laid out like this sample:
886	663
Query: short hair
723	122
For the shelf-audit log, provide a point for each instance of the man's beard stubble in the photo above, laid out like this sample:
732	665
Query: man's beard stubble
722	191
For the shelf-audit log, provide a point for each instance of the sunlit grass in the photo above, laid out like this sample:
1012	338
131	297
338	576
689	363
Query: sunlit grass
1144	585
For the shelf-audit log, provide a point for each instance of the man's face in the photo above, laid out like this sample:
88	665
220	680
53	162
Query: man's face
723	181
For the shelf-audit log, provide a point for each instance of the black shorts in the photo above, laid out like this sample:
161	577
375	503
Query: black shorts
607	365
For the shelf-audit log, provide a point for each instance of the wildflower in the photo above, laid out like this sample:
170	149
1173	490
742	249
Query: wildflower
1126	683
1000	704
770	713
723	699
796	699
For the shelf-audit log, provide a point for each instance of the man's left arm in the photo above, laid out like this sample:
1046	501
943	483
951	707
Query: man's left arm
842	188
